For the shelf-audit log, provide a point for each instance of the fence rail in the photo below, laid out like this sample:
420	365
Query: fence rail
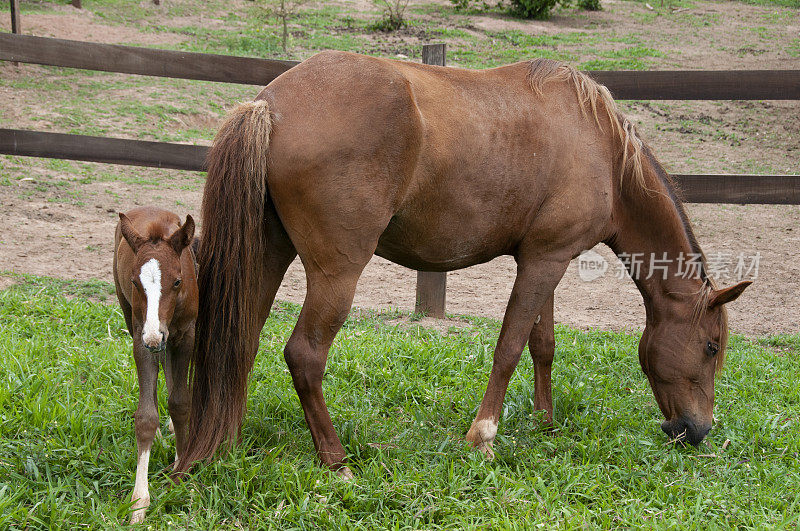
707	188
143	61
637	85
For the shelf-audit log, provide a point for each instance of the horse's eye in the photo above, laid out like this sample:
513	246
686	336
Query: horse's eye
712	349
177	283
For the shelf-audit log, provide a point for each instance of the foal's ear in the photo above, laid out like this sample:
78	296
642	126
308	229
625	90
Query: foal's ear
183	237
722	296
133	238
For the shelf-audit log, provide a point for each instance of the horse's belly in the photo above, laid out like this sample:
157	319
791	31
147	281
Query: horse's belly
436	243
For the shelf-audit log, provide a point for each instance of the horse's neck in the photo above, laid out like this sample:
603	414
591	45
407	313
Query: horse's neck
654	244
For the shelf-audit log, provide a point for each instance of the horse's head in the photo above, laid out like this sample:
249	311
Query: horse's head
680	352
156	278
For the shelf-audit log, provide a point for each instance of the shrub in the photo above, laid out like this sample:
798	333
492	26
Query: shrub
539	9
590	5
394	12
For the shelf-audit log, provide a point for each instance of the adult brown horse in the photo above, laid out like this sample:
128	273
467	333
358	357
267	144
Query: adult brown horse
346	156
156	283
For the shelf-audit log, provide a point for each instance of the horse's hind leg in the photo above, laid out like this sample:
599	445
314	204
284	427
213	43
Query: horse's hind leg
542	344
146	423
535	282
328	300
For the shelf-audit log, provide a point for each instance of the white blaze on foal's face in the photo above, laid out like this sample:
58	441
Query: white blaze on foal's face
150	277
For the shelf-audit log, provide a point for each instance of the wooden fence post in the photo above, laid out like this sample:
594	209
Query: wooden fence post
432	285
14	21
14	16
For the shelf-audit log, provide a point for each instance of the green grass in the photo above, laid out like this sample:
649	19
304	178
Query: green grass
402	398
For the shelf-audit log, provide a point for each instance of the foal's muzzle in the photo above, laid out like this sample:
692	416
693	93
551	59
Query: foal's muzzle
156	345
685	430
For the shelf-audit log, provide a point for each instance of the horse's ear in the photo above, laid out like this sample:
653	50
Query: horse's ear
133	238
183	237
722	296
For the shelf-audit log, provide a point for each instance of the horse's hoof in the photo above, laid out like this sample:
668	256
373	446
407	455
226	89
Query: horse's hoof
139	509
138	514
345	473
481	435
486	450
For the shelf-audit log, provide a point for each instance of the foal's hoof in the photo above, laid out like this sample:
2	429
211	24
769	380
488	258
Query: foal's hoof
139	510
345	473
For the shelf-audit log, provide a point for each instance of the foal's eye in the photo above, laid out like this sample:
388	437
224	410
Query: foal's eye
177	283
712	349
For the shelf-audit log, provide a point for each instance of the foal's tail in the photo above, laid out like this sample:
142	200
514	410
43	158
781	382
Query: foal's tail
230	261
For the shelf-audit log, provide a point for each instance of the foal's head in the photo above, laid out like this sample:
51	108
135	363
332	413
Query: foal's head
156	276
680	352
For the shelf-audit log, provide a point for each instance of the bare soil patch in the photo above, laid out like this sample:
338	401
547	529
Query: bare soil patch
79	25
43	233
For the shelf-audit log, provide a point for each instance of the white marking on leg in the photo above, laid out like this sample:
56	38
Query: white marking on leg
150	277
171	426
481	434
486	430
141	493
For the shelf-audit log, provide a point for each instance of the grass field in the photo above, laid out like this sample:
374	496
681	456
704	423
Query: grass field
402	398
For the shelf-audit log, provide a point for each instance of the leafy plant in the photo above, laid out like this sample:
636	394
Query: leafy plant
285	10
590	5
538	9
393	16
475	5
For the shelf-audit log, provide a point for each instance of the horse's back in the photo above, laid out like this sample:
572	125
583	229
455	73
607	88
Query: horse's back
452	165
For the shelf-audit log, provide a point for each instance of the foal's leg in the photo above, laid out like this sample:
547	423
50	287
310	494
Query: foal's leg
542	344
328	300
176	370
146	423
535	282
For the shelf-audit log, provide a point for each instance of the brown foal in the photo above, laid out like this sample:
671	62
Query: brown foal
346	156
156	283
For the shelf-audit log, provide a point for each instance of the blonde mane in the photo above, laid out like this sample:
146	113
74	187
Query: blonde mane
594	97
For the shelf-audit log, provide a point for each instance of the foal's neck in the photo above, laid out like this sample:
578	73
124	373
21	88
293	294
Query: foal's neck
654	240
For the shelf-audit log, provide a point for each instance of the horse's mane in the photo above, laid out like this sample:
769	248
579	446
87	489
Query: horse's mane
594	97
709	285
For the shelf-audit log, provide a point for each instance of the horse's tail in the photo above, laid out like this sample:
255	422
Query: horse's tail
230	261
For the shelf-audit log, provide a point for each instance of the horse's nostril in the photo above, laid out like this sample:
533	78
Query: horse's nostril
683	429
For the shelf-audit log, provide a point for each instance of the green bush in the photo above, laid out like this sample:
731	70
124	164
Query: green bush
539	9
590	5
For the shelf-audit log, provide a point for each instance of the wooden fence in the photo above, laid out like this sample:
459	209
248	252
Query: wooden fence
663	85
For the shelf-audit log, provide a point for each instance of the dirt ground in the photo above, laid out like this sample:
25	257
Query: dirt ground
43	237
44	230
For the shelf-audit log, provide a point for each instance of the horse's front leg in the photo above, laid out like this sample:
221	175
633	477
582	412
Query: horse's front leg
146	423
542	344
534	285
176	371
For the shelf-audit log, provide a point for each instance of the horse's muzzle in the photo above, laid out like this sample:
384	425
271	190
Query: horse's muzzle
154	347
685	430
